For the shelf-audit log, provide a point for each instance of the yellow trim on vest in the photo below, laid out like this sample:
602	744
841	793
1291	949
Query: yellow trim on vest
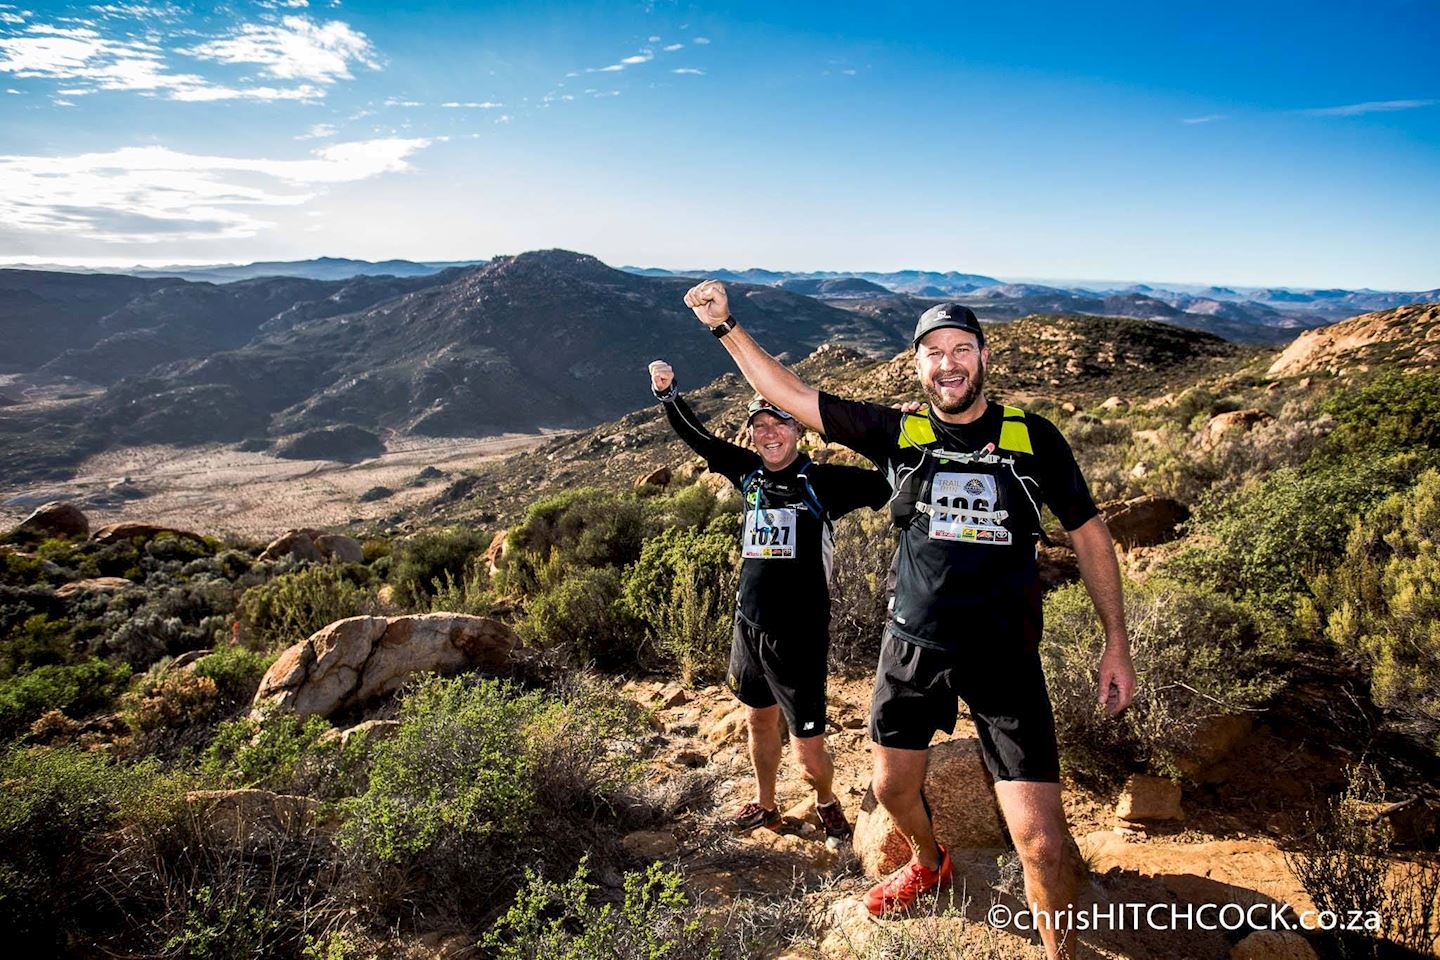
1014	433
915	431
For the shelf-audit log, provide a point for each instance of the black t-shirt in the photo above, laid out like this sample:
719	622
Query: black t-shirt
965	572
786	535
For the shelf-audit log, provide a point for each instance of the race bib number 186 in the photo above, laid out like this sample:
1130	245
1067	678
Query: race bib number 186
963	503
769	534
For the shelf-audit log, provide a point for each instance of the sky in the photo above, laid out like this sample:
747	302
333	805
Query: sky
1264	143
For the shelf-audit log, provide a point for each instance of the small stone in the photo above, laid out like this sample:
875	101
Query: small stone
1147	798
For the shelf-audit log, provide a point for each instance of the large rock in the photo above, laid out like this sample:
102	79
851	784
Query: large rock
1147	798
495	553
1144	521
962	802
116	532
353	660
658	477
317	545
1234	422
58	518
717	483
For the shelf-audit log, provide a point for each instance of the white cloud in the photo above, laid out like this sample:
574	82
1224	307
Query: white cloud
503	118
145	194
643	57
654	39
397	102
1371	106
8	17
472	105
1209	118
319	131
139	11
298	48
672	47
691	71
701	40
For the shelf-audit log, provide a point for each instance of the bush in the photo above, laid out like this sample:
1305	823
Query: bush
1197	656
291	607
584	527
683	589
1262	542
859	595
470	594
583	615
558	921
37	641
286	754
479	779
171	700
418	564
74	689
55	803
236	671
1397	411
1380	605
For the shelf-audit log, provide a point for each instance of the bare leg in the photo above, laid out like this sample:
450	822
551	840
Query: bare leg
1053	867
819	768
898	779
764	724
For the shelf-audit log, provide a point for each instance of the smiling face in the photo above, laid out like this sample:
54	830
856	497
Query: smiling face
951	366
777	440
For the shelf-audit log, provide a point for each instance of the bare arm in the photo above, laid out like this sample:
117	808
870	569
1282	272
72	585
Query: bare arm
770	378
1095	553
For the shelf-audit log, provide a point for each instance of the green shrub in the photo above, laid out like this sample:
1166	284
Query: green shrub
236	671
291	607
1381	604
470	594
683	589
479	779
693	507
1197	656
584	527
218	926
1396	411
1261	543
37	641
285	754
74	689
419	563
55	804
859	596
558	921
170	700
583	615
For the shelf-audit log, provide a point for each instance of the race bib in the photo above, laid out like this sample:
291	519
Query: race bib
769	534
962	504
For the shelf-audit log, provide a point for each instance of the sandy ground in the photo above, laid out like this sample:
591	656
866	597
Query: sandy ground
215	489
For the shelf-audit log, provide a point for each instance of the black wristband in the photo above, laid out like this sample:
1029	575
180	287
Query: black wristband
666	395
723	327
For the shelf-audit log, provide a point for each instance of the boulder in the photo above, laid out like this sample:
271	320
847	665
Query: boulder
688	472
1236	421
496	552
58	518
655	478
93	585
317	545
962	802
249	818
730	728
359	658
1147	798
1273	945
117	532
717	484
373	730
1144	521
338	548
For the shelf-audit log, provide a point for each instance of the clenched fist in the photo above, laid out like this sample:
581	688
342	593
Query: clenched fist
661	375
709	302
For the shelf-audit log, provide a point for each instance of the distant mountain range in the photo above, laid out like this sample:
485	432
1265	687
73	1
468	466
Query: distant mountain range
320	268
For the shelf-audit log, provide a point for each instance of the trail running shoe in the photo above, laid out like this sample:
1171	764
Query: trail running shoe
753	815
837	828
899	891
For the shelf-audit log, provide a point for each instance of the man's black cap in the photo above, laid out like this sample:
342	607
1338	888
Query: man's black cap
947	315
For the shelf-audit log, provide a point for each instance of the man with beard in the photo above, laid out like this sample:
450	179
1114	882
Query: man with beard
969	477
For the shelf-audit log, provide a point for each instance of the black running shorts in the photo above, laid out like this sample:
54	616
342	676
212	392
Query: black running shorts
918	689
787	668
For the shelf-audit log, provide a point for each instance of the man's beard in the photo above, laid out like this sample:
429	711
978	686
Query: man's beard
973	386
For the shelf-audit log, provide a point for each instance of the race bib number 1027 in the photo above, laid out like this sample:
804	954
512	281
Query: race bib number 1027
964	509
769	534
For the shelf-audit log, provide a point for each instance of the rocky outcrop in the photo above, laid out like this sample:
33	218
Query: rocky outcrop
93	585
1144	521
658	477
316	545
1223	425
495	553
354	660
117	532
962	802
58	518
347	444
1406	336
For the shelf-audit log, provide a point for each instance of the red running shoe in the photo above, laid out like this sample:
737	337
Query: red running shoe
899	891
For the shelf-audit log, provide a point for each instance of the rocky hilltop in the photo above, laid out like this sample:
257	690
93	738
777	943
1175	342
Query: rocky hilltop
1403	337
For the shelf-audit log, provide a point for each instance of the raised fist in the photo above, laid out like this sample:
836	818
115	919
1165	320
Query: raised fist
661	375
709	302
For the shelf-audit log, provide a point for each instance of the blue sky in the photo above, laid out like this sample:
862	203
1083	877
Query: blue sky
1264	143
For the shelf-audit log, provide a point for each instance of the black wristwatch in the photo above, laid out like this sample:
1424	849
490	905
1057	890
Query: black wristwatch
723	327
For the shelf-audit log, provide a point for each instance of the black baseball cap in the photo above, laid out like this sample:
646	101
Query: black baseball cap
761	405
954	315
